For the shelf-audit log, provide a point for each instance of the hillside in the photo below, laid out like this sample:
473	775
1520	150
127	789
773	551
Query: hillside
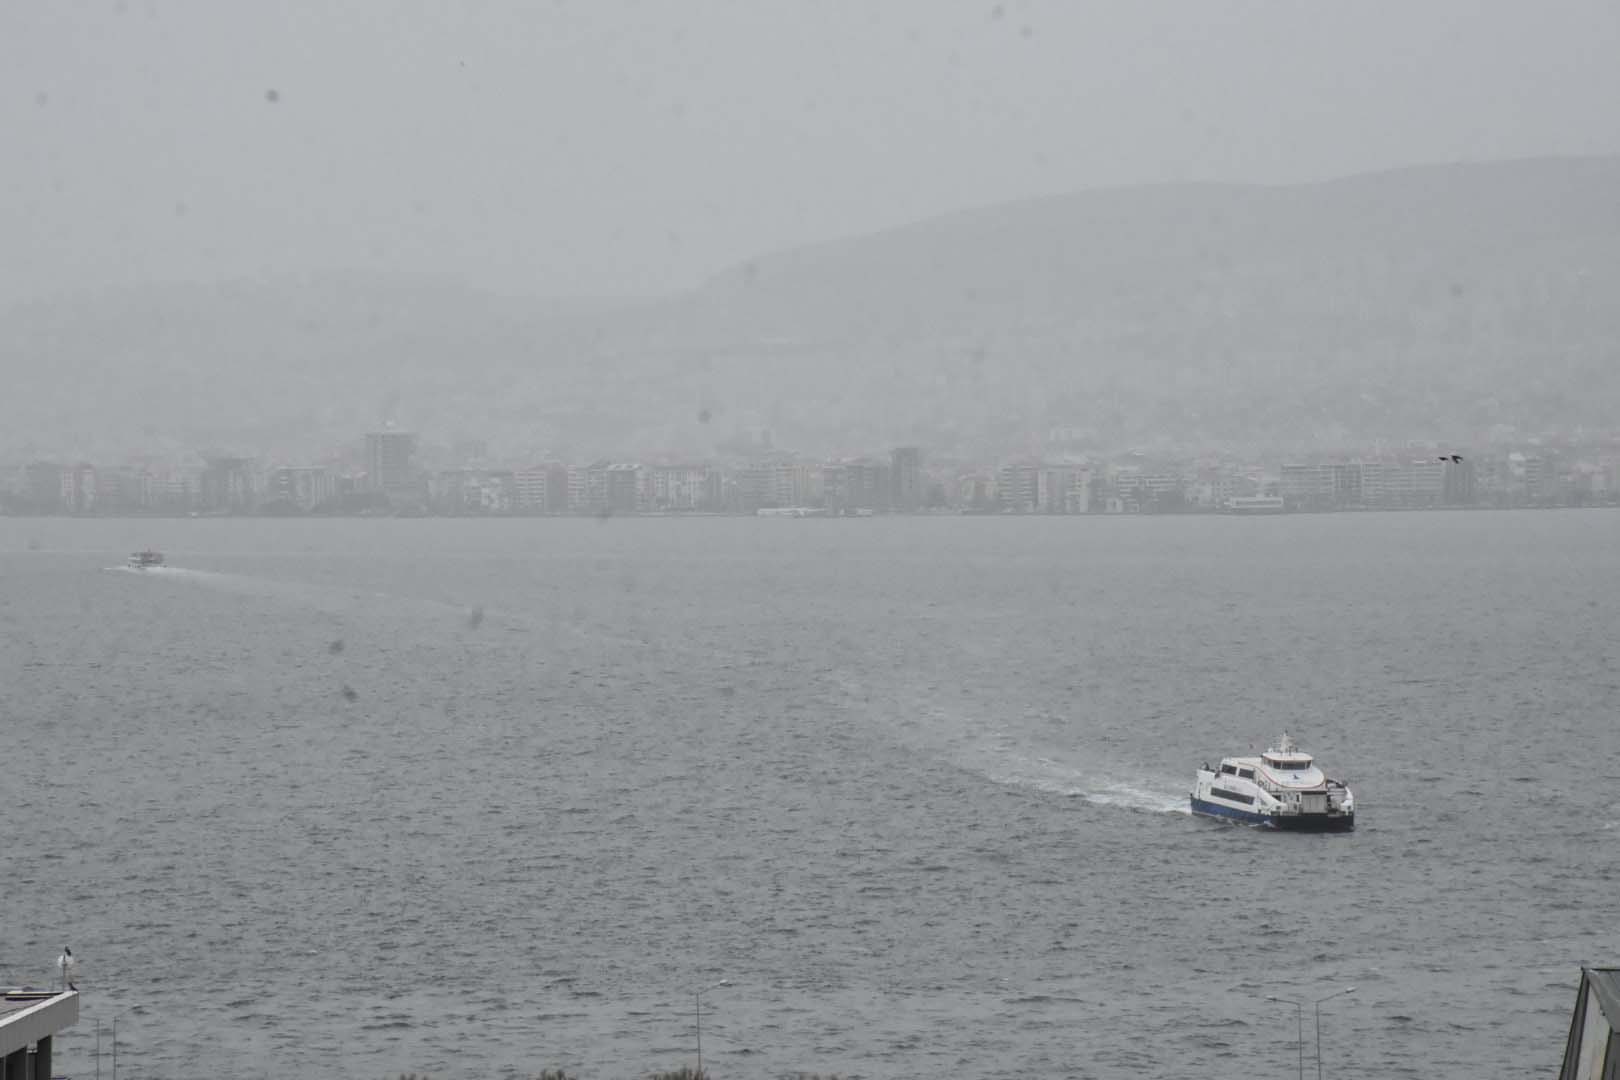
1437	301
1427	302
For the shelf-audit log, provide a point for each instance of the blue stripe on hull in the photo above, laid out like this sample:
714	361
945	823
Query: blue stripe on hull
1293	822
1212	809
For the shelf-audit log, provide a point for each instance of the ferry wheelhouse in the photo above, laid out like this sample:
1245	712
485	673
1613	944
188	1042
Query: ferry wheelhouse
1280	789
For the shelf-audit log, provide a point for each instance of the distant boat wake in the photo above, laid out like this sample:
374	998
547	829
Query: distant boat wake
1006	757
335	600
315	596
1043	774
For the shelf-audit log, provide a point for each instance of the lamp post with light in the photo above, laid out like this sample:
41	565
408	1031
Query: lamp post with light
1299	1013
1317	1006
697	1012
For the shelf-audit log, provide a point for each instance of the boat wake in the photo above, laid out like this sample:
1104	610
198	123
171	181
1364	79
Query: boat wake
1148	794
141	571
329	600
320	598
1007	756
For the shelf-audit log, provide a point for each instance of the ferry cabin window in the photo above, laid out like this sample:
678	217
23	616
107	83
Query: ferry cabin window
1247	774
1234	796
1228	769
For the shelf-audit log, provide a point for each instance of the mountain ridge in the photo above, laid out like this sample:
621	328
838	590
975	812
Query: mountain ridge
1443	301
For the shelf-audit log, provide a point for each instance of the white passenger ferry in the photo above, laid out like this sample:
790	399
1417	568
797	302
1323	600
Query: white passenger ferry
1280	789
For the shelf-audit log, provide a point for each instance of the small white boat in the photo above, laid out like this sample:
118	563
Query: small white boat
1256	504
145	560
1280	789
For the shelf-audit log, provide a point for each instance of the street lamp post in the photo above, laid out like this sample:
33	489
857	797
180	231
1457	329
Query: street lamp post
1299	1015
1317	1006
697	1012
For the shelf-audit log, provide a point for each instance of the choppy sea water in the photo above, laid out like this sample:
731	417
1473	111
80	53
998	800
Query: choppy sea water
915	788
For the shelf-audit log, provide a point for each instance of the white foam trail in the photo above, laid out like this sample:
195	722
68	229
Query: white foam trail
1004	756
1150	794
337	601
314	596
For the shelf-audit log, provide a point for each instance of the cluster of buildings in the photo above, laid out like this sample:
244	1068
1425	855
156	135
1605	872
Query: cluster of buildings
386	477
385	474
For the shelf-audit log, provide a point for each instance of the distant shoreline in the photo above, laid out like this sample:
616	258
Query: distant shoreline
657	514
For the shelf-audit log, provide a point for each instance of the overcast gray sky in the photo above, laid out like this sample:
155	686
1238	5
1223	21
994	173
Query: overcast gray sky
612	146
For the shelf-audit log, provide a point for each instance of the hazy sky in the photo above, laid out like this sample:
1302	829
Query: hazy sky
611	146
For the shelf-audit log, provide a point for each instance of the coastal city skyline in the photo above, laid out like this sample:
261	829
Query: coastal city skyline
396	471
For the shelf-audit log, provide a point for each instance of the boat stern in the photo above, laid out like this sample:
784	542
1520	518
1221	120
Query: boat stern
1314	822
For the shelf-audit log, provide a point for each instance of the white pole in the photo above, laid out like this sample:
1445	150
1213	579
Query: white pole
1317	1005
1299	1018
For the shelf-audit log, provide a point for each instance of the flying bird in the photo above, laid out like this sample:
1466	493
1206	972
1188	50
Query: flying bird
67	965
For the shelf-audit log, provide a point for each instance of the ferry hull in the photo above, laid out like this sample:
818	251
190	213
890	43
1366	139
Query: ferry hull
1315	822
1284	822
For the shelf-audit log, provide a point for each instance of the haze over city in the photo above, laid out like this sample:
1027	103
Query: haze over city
751	539
247	232
588	149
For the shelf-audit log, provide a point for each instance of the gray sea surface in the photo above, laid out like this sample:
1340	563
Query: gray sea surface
915	787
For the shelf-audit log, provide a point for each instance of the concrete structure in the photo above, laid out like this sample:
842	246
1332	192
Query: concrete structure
683	487
1426	482
905	475
29	1020
123	489
474	491
753	488
624	488
594	495
1381	481
227	485
541	489
391	467
173	491
1592	1051
857	485
79	488
1063	489
791	484
976	492
303	487
1134	485
578	484
1537	477
1018	487
1458	485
